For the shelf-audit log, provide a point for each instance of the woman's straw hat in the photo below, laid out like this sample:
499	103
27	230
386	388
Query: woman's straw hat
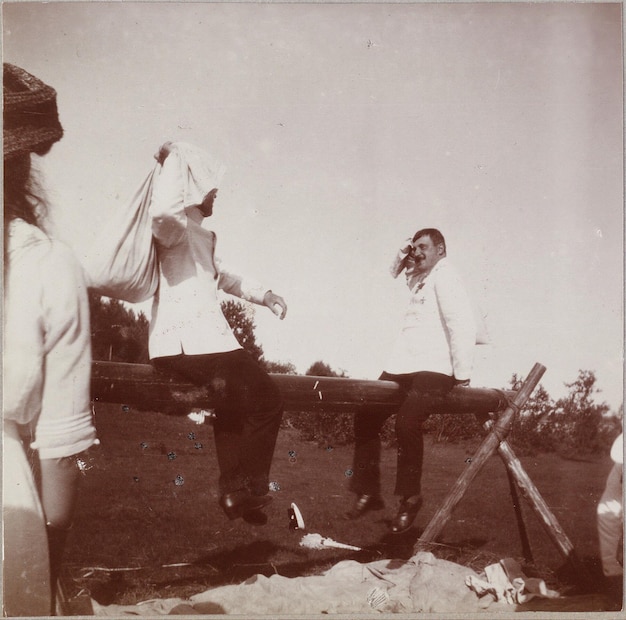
31	120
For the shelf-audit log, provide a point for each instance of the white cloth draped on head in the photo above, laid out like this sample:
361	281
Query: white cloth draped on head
199	171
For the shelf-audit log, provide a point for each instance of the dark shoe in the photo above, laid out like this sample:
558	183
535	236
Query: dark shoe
242	502
363	504
406	515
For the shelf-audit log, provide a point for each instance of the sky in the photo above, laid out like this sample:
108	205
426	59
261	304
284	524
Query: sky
346	127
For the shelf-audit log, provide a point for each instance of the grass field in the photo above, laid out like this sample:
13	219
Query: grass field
149	499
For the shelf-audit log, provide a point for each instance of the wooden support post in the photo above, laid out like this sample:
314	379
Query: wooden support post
519	517
496	440
488	447
542	511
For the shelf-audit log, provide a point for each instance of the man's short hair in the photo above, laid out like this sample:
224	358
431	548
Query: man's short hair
435	236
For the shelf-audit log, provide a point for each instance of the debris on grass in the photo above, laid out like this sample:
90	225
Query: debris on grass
317	541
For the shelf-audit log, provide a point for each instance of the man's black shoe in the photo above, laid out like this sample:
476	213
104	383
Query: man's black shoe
406	515
241	502
364	503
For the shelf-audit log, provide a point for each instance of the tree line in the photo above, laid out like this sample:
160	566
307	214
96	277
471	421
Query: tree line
119	334
575	426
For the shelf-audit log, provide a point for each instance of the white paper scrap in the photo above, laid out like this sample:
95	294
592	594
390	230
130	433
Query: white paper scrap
317	541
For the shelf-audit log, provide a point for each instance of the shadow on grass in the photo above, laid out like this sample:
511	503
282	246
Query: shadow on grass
225	567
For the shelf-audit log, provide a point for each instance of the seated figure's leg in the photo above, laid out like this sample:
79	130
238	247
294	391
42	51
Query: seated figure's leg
365	479
248	408
409	431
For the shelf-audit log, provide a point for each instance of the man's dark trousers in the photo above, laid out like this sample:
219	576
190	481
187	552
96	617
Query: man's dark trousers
410	418
248	411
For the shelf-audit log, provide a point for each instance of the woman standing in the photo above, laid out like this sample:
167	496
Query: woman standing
47	418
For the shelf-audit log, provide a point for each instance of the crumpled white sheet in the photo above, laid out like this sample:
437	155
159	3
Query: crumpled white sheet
505	581
421	584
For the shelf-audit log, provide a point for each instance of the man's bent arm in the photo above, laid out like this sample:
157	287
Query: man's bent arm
458	315
169	221
244	288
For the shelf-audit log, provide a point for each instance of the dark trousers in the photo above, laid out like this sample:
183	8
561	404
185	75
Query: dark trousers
248	410
409	420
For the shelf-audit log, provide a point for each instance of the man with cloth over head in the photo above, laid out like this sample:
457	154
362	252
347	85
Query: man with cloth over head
190	336
434	352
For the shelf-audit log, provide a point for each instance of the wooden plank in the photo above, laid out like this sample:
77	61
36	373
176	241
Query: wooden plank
142	387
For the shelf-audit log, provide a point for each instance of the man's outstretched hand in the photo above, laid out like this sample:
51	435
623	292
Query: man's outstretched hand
276	304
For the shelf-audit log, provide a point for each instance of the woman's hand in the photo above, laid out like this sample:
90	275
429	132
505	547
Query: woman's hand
276	304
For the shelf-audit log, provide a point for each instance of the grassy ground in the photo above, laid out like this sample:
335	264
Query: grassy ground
149	499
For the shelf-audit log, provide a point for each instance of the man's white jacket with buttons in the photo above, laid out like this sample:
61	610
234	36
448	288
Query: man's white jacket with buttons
439	329
186	313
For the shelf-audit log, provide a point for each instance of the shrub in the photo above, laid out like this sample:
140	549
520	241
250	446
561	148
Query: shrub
331	429
452	427
324	428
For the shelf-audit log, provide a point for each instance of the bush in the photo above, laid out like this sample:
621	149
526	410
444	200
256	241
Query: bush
452	427
323	428
580	418
331	429
531	432
574	426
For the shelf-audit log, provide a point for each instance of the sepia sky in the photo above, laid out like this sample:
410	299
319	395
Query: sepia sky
346	127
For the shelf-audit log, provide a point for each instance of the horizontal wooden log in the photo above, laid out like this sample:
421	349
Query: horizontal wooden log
142	387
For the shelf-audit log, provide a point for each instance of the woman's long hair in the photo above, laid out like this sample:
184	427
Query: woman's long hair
23	198
22	192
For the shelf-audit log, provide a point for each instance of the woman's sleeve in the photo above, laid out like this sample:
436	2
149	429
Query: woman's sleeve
65	426
167	210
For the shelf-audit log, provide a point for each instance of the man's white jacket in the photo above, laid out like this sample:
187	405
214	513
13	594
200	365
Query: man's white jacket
186	313
439	328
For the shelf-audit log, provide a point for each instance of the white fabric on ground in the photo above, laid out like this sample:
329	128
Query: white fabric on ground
421	584
506	582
